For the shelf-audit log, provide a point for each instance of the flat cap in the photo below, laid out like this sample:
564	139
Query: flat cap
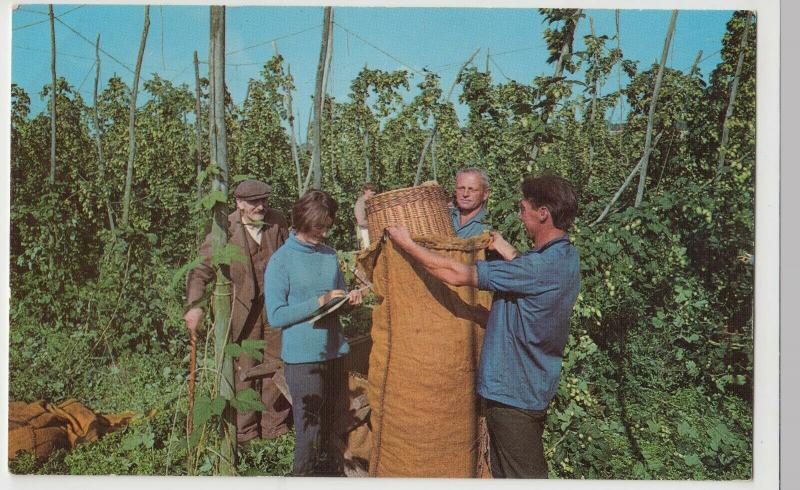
252	189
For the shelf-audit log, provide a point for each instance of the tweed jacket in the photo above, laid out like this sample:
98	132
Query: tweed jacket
247	303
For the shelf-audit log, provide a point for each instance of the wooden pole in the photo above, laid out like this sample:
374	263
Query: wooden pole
435	122
625	184
566	49
219	233
98	136
696	62
732	99
651	116
198	139
594	79
619	72
52	95
367	170
126	200
287	101
192	378
433	156
319	95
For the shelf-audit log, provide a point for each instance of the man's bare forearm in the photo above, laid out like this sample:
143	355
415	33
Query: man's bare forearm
443	268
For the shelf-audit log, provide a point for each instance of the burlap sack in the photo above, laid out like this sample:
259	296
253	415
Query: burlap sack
41	428
352	430
426	338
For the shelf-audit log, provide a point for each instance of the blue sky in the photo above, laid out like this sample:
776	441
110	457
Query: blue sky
439	39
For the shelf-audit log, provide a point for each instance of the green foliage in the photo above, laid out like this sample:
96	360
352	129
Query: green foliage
267	457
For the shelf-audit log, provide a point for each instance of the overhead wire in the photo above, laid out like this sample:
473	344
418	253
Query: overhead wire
23	9
45	20
491	58
230	53
395	58
59	53
93	45
709	56
87	75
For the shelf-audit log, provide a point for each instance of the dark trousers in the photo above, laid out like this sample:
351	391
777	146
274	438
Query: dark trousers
272	422
314	388
515	441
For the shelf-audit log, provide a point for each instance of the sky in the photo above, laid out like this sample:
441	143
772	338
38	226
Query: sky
437	39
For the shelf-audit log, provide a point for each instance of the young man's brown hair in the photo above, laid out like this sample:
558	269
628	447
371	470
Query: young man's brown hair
556	194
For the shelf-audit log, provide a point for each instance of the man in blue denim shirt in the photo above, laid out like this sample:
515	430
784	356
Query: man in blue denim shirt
528	322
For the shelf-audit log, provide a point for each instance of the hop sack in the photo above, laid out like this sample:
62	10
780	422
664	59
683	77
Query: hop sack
427	337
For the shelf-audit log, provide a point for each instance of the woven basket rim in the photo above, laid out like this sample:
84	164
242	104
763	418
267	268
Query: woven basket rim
405	189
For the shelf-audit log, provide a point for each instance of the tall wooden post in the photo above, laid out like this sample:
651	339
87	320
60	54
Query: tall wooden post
287	102
99	137
126	200
619	71
570	27
732	99
219	233
52	96
651	115
319	94
198	142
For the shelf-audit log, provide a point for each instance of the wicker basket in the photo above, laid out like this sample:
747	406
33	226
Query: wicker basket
422	209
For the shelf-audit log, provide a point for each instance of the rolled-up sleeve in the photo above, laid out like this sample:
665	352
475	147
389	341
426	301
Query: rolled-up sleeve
523	275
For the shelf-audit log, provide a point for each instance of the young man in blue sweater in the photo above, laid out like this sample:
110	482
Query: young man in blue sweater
528	322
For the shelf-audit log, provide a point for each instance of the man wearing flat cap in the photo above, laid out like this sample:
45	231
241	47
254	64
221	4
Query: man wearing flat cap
256	231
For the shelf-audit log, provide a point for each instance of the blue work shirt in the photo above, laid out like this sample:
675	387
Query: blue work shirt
473	227
528	323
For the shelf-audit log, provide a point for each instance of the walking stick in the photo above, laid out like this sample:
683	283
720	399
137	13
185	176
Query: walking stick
192	371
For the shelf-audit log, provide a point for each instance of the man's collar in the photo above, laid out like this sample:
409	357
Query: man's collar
478	216
546	245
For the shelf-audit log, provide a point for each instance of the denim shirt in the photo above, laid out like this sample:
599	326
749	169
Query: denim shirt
473	227
528	324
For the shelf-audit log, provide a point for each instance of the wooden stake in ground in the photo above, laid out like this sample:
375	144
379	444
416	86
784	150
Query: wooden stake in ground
219	234
734	88
651	116
319	95
52	96
192	378
126	200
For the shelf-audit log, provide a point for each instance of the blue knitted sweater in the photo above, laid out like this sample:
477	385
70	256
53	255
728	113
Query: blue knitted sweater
297	274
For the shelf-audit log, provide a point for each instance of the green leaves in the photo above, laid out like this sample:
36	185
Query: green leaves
692	460
248	400
210	199
203	411
227	255
251	348
685	430
138	439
